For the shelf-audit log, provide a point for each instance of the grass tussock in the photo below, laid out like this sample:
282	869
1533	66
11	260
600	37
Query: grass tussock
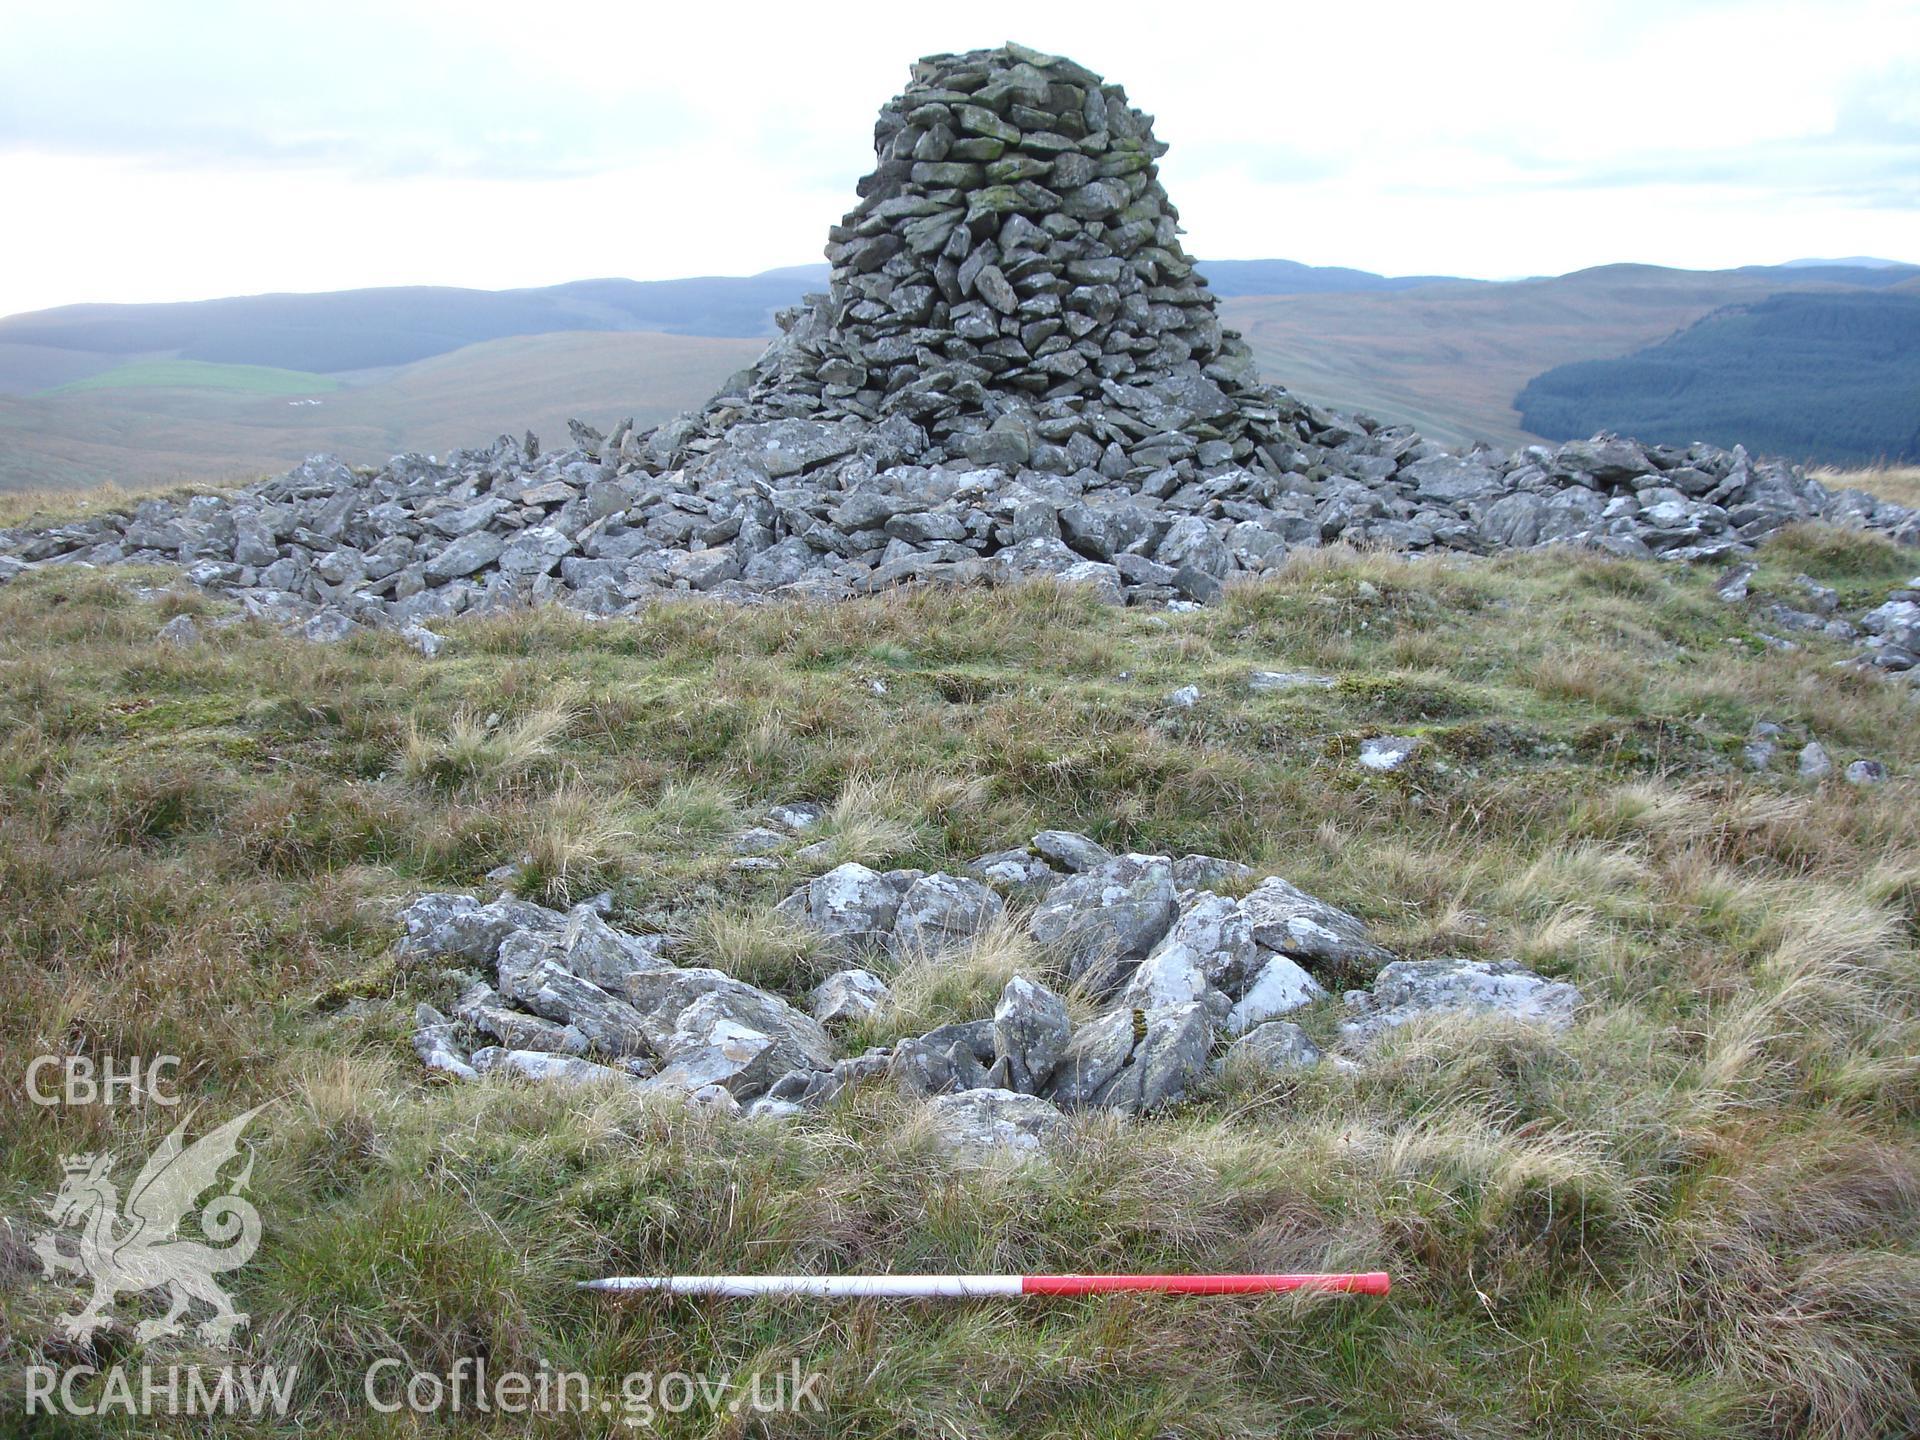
578	843
871	822
476	751
1692	1214
956	983
761	948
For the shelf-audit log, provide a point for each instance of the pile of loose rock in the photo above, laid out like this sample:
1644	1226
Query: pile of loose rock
1178	978
1016	371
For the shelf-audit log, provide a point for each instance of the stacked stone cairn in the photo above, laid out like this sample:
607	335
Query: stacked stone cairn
1016	371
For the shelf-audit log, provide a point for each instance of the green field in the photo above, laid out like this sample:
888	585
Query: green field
200	375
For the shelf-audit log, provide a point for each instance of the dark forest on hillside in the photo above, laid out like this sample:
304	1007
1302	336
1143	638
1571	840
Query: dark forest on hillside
1828	377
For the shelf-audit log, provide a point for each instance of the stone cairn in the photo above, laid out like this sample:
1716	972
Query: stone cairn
1016	371
1178	978
1011	282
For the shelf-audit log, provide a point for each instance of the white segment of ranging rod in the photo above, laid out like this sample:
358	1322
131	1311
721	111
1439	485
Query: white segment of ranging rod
908	1287
888	1286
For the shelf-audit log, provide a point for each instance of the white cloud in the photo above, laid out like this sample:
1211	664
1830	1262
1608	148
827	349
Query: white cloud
214	147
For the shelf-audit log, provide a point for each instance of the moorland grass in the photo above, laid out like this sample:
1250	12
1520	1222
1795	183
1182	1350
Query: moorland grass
1692	1214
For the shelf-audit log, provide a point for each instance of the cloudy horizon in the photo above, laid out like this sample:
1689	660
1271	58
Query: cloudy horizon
220	148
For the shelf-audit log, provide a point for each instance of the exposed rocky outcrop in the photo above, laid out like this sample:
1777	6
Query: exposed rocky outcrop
978	1122
1031	1029
1893	629
848	995
1107	918
1015	371
1134	1060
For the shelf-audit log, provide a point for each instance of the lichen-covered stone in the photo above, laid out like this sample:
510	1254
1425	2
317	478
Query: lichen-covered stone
1134	1060
1275	1045
941	911
848	995
1107	919
979	1124
1410	989
1295	923
1031	1029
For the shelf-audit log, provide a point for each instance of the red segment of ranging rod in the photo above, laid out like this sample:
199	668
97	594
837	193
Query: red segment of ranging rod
923	1287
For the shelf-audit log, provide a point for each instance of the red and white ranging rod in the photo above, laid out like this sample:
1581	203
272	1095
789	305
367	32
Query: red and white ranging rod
908	1287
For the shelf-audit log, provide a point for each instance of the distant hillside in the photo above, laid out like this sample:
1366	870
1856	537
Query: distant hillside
1862	272
202	375
1865	262
352	330
368	329
1450	358
225	427
1832	377
220	389
1290	277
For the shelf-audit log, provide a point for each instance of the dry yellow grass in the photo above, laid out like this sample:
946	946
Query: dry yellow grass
487	751
45	506
1898	484
1692	1214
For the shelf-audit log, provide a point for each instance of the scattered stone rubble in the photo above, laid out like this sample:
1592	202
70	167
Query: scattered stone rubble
1889	633
1172	979
1893	630
1015	371
1767	746
1889	637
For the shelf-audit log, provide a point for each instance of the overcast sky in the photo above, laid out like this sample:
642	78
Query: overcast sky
215	147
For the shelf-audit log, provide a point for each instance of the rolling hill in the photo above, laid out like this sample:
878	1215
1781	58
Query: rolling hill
1290	277
1833	375
352	330
371	329
1451	357
226	389
211	432
202	375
